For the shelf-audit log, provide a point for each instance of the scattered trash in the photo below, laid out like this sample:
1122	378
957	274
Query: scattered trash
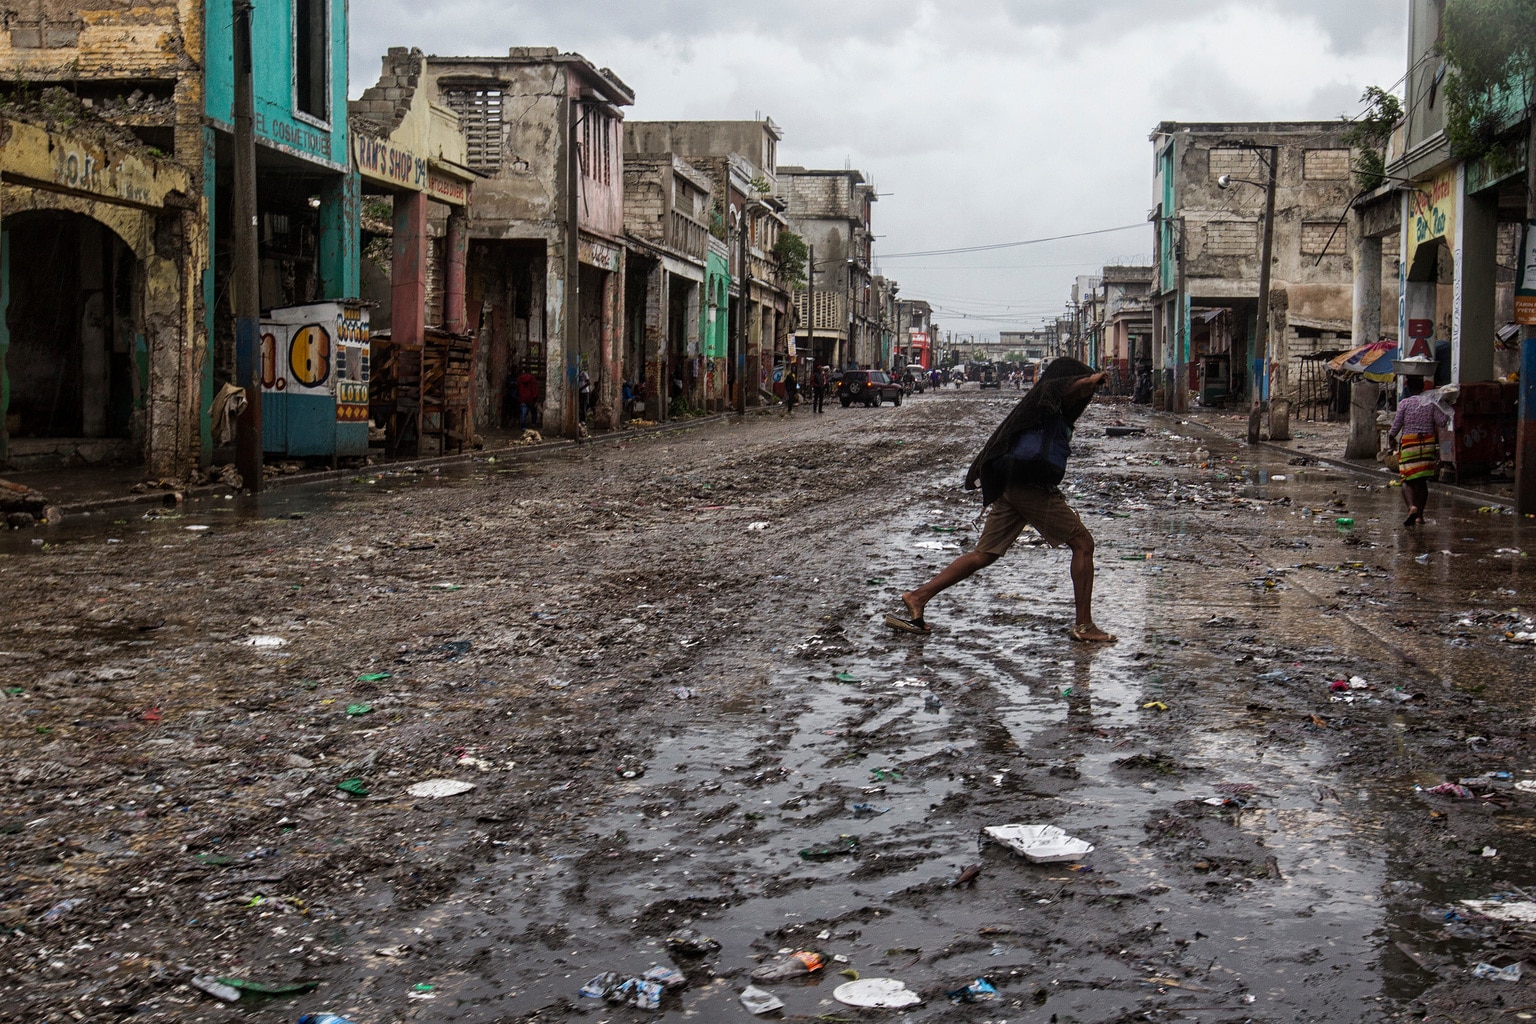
1043	844
436	789
323	1018
759	525
357	787
1492	973
1154	705
796	965
265	642
1489	851
373	677
354	710
643	992
215	988
846	677
886	993
842	846
59	909
978	991
1452	789
760	1001
968	875
1123	431
690	942
931	702
630	770
885	775
262	988
683	692
1345	522
868	810
1510	911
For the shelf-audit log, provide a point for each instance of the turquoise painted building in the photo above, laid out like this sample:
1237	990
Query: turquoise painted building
307	192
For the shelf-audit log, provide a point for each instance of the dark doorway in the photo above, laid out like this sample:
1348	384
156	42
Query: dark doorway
71	319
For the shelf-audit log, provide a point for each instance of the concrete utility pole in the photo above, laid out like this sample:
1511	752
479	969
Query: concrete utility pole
741	319
1261	333
810	306
1525	436
246	299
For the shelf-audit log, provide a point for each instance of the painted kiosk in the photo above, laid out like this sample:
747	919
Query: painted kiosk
314	380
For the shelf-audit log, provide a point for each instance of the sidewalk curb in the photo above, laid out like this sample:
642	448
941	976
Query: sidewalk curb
161	497
1466	494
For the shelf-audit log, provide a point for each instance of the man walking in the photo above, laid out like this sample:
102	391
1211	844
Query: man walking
527	399
819	381
1018	487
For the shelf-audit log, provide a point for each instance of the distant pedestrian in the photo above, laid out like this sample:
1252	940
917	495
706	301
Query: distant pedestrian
583	394
821	377
1018	470
527	399
1416	434
791	390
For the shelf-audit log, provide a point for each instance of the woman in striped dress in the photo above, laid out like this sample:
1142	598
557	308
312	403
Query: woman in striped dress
1416	434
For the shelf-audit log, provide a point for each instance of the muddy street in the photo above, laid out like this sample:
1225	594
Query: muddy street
661	664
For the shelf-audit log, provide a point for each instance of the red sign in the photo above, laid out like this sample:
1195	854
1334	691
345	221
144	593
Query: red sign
1421	328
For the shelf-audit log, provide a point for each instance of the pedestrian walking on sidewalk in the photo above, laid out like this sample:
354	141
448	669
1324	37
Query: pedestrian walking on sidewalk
1416	434
527	400
1018	470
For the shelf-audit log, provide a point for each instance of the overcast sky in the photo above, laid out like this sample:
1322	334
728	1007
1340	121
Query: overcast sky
980	121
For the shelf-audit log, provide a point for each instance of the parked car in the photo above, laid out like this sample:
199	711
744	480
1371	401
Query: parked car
869	387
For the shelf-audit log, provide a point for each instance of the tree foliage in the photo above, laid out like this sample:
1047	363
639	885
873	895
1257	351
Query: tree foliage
1369	134
791	252
1490	50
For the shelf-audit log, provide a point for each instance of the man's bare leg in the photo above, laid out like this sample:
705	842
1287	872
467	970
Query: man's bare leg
953	573
1082	590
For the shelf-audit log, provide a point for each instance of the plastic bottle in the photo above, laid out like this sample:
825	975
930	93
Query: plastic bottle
323	1018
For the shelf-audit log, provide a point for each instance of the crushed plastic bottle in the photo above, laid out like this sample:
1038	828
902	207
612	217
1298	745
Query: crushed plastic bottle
1492	973
323	1018
795	965
760	1001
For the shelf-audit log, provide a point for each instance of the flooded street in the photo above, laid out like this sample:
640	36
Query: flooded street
662	665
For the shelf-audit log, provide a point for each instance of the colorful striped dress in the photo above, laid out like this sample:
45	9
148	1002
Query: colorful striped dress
1416	428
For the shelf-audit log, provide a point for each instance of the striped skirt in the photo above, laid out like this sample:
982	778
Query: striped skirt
1417	456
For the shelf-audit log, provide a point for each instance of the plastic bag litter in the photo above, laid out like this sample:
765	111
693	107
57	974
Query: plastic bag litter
759	1001
1492	973
887	993
436	789
978	991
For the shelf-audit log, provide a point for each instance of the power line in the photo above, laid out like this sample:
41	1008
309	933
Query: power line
1009	245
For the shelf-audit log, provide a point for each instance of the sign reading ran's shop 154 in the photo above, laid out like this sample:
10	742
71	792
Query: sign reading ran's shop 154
384	161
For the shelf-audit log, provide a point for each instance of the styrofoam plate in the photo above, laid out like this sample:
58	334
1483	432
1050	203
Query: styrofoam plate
1043	844
887	993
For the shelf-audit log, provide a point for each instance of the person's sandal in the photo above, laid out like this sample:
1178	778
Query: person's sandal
1087	633
902	625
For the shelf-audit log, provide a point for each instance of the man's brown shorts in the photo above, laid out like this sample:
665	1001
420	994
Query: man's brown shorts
1041	507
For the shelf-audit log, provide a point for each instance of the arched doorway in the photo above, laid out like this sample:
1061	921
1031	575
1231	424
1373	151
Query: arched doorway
73	294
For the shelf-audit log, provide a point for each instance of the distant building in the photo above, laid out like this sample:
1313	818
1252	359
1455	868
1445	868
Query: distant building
546	245
1207	246
1030	345
746	216
831	210
1127	319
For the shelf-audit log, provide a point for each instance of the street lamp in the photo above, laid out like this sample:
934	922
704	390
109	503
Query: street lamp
1279	426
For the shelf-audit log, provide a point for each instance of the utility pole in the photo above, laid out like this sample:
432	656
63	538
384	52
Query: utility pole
1261	334
1178	393
246	299
810	306
741	319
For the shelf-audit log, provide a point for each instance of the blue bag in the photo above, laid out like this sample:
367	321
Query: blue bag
1039	456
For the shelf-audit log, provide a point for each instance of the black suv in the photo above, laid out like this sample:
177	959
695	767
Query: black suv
870	387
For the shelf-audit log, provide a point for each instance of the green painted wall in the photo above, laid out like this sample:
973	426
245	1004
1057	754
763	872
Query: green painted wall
716	337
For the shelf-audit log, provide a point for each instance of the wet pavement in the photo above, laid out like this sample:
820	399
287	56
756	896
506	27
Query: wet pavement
661	663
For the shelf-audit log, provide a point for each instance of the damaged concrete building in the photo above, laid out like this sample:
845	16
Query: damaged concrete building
1207	239
831	210
117	324
751	327
545	289
103	242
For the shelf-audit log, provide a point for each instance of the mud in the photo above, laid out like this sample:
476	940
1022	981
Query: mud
662	665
